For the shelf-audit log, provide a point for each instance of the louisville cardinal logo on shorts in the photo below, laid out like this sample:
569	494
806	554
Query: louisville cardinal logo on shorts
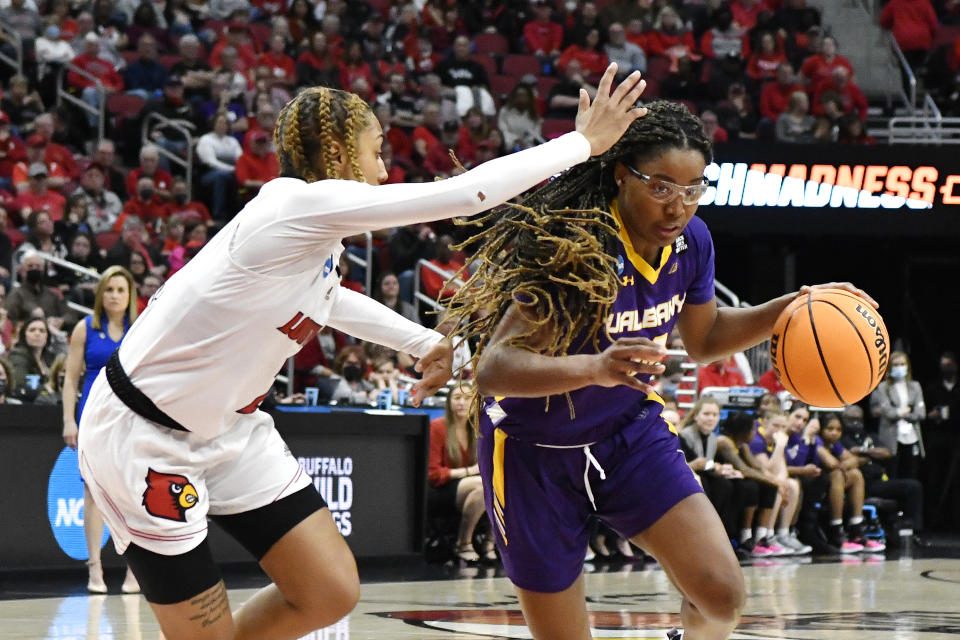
169	495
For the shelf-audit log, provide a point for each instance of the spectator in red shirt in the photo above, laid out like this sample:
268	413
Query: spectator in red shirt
354	66
852	131
265	122
770	381
257	166
36	146
45	125
851	98
426	137
150	168
914	24
38	197
818	67
280	64
433	282
720	373
775	96
593	59
542	36
235	35
764	63
12	151
93	64
670	38
146	205
745	12
146	289
316	65
712	128
395	173
181	205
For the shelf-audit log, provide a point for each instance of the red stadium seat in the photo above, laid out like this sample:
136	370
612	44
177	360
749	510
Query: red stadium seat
260	33
487	62
107	239
658	67
545	85
124	106
946	34
168	61
652	90
519	65
501	85
490	43
556	127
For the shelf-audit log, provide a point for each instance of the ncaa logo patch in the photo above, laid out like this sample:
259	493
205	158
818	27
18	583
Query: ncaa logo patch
65	506
619	265
328	266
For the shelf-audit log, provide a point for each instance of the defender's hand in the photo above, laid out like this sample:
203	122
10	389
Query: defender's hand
437	369
603	122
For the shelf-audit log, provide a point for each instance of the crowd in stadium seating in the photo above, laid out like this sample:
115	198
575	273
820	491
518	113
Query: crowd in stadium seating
199	85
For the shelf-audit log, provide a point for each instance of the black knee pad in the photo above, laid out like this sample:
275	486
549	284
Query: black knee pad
172	579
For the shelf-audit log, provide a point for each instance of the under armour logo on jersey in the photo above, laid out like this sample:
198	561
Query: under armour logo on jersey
680	244
328	266
300	328
627	281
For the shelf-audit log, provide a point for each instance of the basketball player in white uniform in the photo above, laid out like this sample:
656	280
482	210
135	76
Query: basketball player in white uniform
172	433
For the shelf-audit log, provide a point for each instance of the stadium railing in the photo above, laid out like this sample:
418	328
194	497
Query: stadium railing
63	93
357	260
11	35
186	163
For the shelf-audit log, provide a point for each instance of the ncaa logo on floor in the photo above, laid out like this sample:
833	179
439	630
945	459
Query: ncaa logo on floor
65	506
605	625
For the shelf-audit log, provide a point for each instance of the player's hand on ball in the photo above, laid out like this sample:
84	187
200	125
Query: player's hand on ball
437	369
603	122
845	286
626	358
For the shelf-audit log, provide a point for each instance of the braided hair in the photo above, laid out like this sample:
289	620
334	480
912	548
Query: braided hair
554	253
309	124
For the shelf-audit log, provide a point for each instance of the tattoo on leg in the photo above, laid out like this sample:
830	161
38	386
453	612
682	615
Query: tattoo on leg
212	604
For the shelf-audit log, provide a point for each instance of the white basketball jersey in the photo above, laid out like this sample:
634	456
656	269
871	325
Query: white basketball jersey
208	346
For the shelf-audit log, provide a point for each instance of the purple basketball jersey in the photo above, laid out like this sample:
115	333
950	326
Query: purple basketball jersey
648	305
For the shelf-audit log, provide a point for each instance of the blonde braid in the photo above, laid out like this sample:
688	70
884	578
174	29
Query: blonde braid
355	108
326	133
293	143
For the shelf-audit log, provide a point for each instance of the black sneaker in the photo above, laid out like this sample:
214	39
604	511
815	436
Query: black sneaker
674	634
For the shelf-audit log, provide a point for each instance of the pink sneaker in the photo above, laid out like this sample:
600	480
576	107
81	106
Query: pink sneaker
760	551
873	546
776	549
851	547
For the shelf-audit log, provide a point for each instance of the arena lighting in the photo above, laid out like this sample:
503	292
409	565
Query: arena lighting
851	186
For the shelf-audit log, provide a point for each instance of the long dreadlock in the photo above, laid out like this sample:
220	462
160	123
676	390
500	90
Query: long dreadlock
553	254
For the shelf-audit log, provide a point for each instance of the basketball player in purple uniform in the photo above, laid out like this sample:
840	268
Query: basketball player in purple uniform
573	308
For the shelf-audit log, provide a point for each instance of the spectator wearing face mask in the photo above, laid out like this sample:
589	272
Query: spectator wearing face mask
146	204
899	406
184	206
872	458
942	437
34	293
353	387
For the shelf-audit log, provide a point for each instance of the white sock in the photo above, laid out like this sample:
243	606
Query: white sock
855	520
745	534
784	532
761	533
836	523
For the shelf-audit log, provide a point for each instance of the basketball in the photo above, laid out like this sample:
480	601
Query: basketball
830	348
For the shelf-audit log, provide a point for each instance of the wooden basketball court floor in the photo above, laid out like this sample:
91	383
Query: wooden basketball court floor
893	597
